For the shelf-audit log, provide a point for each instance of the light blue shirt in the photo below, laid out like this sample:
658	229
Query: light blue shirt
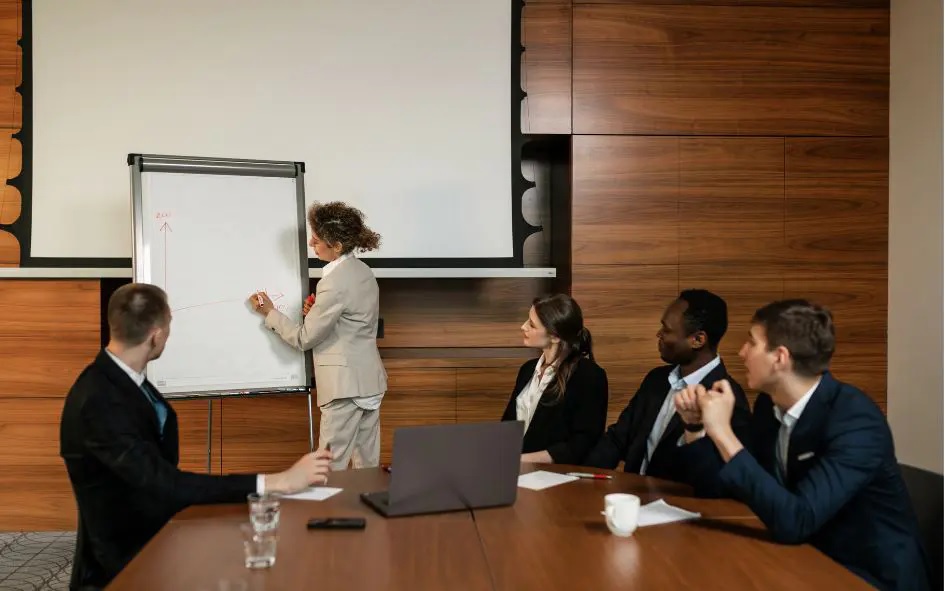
676	383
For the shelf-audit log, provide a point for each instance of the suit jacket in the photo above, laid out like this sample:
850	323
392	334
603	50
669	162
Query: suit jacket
626	439
124	472
843	491
341	331
569	427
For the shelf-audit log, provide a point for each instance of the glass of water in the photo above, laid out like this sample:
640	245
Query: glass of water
260	546
264	512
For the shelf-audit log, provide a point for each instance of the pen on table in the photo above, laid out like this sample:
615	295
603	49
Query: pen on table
591	476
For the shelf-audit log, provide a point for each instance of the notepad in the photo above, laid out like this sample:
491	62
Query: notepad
314	493
660	512
540	480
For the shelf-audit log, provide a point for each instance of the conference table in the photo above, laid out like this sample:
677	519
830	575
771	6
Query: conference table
549	539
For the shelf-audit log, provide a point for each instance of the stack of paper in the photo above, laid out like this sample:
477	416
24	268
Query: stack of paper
314	493
540	479
660	512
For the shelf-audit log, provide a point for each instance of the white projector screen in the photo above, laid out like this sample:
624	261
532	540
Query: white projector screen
399	107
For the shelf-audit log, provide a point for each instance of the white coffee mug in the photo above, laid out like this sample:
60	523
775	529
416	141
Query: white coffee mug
622	512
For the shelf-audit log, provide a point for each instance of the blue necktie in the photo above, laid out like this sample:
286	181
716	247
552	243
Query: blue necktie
159	407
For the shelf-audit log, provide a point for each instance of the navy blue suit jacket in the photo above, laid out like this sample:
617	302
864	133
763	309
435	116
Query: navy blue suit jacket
843	492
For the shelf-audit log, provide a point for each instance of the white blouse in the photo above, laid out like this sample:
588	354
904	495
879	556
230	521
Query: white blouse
527	400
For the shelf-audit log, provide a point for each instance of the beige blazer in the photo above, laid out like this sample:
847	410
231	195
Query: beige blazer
341	331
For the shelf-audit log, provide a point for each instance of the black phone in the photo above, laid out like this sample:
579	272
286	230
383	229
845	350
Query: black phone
337	523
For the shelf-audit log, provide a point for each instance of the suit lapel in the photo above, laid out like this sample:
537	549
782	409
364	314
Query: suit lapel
136	396
805	437
766	434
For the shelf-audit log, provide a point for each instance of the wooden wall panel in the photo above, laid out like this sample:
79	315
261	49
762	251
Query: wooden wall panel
416	397
263	434
456	312
730	70
192	428
34	487
625	200
722	180
482	396
546	68
50	332
837	199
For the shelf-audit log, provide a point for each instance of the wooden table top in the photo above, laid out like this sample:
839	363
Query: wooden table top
551	539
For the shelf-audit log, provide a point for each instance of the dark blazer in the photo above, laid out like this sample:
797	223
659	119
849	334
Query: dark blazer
124	472
843	492
626	439
569	427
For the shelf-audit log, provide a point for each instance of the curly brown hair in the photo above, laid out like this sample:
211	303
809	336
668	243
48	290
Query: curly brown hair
339	223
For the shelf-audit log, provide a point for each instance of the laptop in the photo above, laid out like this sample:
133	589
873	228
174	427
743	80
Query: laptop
441	468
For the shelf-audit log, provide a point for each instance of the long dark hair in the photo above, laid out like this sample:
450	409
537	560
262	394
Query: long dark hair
562	317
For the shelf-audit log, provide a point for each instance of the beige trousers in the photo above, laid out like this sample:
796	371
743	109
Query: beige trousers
352	432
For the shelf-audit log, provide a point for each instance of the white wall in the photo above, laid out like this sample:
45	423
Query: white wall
915	233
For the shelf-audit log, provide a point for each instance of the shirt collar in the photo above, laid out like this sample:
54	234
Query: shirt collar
137	378
548	370
331	266
696	377
793	414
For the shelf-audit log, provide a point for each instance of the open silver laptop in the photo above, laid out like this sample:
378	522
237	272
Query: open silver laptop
451	467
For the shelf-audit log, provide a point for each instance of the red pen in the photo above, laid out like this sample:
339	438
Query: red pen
591	476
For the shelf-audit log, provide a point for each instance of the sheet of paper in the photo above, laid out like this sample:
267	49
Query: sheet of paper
660	512
314	493
540	480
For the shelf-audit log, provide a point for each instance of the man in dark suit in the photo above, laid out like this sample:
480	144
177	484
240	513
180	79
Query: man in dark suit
118	438
819	466
648	432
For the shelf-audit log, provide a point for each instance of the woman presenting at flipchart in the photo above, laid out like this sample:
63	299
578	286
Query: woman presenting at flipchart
340	328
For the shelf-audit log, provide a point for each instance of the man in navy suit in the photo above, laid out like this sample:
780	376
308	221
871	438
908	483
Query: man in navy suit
819	467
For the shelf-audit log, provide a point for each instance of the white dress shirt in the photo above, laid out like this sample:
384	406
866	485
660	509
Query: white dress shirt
676	383
788	421
138	379
528	398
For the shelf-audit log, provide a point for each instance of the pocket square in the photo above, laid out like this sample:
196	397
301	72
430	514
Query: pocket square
805	456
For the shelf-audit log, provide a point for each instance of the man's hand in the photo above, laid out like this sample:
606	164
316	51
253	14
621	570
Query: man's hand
311	469
717	405
687	404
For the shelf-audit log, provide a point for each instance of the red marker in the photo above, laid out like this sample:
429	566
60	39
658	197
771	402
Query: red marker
310	299
591	476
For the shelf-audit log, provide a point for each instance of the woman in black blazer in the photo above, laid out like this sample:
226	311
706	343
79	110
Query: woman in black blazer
561	396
